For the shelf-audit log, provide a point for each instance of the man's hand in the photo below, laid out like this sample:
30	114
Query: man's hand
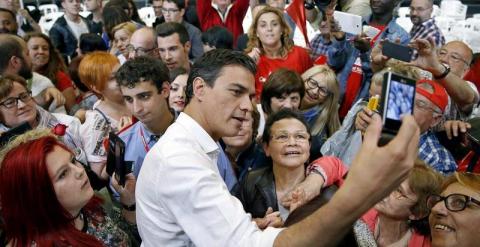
53	95
363	119
362	42
427	56
271	218
127	192
376	171
255	54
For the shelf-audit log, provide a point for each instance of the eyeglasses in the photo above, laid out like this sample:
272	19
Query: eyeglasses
140	51
169	11
455	57
453	202
13	101
313	84
422	105
282	137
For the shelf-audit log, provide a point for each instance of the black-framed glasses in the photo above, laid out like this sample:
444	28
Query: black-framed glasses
11	102
140	51
453	202
314	84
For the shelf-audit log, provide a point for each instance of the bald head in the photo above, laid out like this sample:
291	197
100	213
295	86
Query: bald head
457	55
144	41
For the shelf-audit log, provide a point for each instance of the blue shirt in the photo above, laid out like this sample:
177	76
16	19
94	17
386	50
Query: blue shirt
341	55
138	140
435	154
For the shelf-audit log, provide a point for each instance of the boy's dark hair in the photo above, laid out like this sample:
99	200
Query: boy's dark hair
180	3
166	29
218	37
282	81
141	69
91	42
284	113
209	66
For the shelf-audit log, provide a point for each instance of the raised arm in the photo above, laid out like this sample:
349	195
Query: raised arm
375	172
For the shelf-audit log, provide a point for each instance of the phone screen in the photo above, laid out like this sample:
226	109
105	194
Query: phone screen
400	101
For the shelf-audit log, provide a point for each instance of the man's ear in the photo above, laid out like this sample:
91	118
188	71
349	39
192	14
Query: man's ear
182	12
266	149
187	46
199	86
165	89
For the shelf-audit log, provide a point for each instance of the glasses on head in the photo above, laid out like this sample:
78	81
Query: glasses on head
313	84
453	202
13	101
422	105
282	137
169	11
140	51
455	57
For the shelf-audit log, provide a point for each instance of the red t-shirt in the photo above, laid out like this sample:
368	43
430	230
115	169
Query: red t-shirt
63	81
297	60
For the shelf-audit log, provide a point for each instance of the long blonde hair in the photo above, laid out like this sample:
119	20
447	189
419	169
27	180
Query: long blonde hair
254	41
329	114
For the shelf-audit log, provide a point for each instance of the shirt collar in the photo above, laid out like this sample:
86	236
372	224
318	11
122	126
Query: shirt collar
149	136
222	16
198	133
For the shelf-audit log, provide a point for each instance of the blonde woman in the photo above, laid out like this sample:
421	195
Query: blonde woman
269	44
319	105
121	34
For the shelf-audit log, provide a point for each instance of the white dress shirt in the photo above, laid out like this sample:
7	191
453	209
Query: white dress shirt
182	200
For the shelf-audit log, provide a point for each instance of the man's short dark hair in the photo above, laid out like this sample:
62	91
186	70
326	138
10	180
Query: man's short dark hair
280	82
218	37
174	73
166	29
90	42
9	46
209	66
180	3
10	12
141	69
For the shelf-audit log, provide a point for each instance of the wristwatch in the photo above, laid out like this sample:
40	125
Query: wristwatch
444	74
129	208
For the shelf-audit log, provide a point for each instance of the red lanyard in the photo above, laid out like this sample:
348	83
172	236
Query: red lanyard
145	144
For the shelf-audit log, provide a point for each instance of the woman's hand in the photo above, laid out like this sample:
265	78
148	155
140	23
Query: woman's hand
51	94
271	218
255	54
363	119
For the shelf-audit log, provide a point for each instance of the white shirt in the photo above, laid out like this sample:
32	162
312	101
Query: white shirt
77	28
182	200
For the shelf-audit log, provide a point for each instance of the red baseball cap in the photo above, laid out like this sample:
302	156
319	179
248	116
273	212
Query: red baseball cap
438	97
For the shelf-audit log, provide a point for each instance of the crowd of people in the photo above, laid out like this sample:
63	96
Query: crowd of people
232	137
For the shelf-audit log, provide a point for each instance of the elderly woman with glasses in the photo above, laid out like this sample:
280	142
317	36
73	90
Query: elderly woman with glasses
455	213
17	107
286	141
319	106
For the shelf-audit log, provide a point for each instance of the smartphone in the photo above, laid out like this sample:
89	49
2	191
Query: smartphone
397	51
349	23
116	159
398	100
13	132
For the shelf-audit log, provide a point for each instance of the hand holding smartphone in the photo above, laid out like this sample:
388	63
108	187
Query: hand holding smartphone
398	99
397	51
116	159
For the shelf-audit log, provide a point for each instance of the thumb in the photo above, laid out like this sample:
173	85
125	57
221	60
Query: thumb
374	129
269	211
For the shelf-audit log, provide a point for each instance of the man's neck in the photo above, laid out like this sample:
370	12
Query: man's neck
72	18
381	19
158	127
97	15
195	111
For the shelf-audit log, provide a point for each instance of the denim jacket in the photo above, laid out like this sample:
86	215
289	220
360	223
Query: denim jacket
342	55
63	38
